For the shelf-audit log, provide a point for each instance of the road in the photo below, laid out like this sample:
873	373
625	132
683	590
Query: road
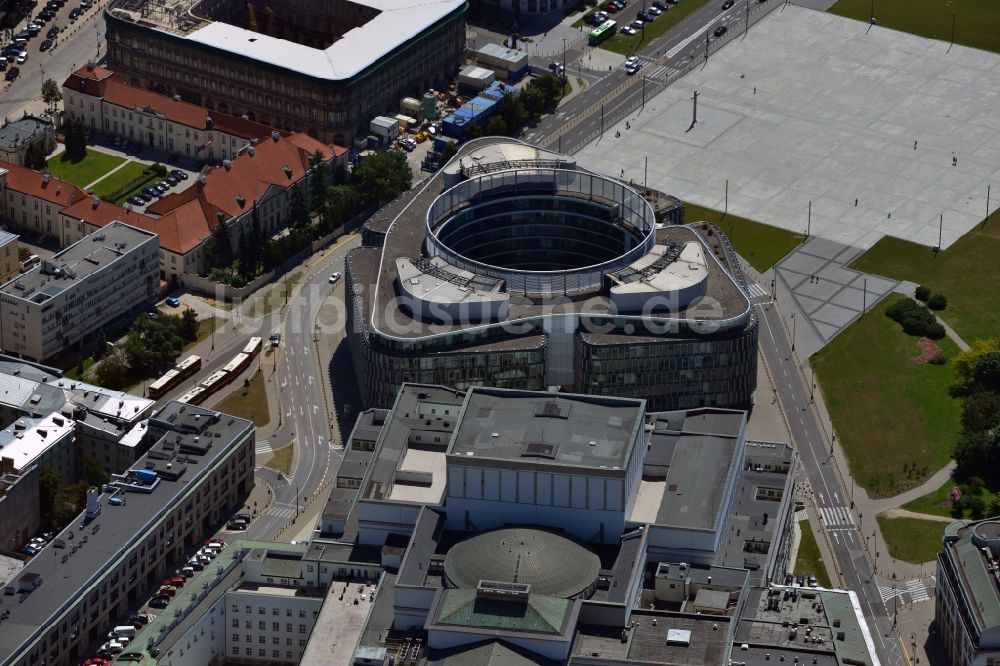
664	59
76	43
303	399
833	505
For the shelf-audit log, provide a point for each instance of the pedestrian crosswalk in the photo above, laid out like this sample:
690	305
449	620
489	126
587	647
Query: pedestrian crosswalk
917	590
756	290
262	446
836	516
888	593
281	510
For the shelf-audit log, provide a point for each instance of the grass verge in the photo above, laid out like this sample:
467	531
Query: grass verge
895	420
84	171
248	402
911	539
204	330
808	560
976	21
959	273
628	44
938	502
277	296
282	460
760	244
110	184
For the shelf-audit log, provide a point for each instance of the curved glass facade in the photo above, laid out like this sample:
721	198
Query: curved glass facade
538	233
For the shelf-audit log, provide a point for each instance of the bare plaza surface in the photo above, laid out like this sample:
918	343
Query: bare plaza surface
882	131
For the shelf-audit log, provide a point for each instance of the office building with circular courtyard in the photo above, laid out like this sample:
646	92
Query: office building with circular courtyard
513	267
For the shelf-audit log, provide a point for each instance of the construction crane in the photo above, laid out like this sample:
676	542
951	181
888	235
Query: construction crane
252	15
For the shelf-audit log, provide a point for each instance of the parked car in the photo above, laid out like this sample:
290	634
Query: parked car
159	601
173	301
637	25
180	174
611	8
727	4
177	581
812	581
172	179
53	31
22	58
627	30
135	200
160	187
47	15
800	580
12	73
789	579
196	564
662	6
74	13
45	45
166	591
653	11
620	4
150	191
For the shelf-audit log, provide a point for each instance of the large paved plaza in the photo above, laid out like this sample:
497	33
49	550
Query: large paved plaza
835	118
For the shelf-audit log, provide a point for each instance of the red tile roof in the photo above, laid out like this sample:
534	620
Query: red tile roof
101	82
104	213
280	163
31	182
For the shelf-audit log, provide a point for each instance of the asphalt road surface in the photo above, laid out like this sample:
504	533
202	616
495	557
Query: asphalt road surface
76	43
834	505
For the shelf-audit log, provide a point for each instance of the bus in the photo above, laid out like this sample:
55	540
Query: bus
253	347
174	376
195	396
238	364
215	381
604	31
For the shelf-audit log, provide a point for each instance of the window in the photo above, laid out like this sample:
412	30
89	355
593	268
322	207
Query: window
236	638
262	639
302	642
275	653
236	651
261	652
275	611
302	628
262	626
275	626
288	627
302	613
249	638
260	610
236	623
275	641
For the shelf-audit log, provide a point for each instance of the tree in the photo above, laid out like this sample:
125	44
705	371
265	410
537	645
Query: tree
976	453
51	94
448	152
986	372
153	344
189	325
965	361
937	302
382	177
48	490
472	131
219	253
922	293
980	411
94	475
113	370
317	180
513	112
101	345
75	139
298	213
497	126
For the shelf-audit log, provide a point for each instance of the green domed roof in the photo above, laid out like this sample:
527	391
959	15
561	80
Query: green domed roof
552	564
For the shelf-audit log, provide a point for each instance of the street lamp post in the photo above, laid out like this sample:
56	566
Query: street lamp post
793	331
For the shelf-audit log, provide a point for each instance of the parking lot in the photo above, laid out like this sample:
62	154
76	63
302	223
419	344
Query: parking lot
36	37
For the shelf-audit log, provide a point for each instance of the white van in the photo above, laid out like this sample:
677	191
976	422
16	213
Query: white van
126	630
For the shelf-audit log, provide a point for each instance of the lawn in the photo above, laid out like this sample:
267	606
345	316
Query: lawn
83	172
627	45
976	21
938	502
960	272
760	244
896	420
808	560
107	186
911	539
282	460
248	402
205	327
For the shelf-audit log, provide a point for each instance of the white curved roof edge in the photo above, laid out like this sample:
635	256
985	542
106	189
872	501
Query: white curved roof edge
398	22
733	320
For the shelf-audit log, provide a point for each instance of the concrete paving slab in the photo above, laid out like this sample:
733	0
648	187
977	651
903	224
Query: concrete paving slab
834	315
834	119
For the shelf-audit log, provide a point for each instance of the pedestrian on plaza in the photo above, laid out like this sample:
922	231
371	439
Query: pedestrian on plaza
855	202
914	145
755	90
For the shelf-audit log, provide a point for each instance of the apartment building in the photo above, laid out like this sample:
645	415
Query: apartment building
132	534
31	200
10	264
100	278
104	102
967	603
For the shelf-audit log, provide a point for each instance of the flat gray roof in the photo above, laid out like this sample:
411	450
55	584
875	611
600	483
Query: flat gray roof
83	258
91	551
404	220
393	25
22	131
589	432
